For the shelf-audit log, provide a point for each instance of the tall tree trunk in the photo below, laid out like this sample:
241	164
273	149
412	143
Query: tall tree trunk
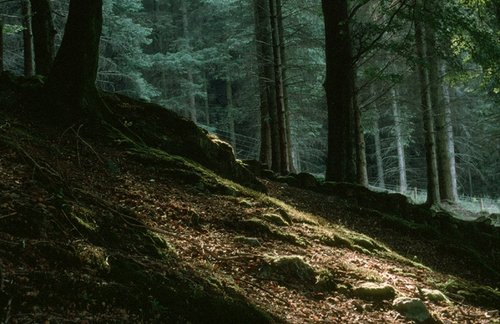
27	38
73	74
190	79
207	105
44	34
403	185
341	165
361	169
378	146
284	65
269	151
230	111
279	88
430	147
450	143
1	45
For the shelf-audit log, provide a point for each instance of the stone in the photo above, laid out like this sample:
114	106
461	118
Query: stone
434	295
306	180
412	308
374	291
290	267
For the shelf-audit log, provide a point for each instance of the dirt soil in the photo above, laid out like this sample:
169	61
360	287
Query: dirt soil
88	230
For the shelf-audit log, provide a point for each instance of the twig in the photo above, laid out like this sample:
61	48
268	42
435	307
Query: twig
8	215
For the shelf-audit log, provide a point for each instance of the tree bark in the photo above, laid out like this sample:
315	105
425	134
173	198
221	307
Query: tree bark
73	75
341	164
430	147
44	34
27	38
378	146
279	88
361	169
281	31
403	186
190	79
269	151
1	45
450	143
230	116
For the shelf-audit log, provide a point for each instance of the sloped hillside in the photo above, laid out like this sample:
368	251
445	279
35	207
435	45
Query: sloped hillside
116	224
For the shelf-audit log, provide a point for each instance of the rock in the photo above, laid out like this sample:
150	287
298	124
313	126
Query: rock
412	308
254	166
290	267
306	180
374	291
287	179
268	174
275	219
252	241
434	295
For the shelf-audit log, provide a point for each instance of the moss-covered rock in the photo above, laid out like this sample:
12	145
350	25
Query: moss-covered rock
434	295
374	291
412	308
306	181
289	268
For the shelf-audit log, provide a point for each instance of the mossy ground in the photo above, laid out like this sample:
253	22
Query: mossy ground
143	233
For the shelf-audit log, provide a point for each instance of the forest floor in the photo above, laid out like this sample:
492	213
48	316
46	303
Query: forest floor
89	232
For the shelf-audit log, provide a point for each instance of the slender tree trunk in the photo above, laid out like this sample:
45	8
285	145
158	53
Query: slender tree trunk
450	143
207	105
230	116
190	78
378	146
361	169
378	154
44	34
430	147
284	66
28	39
270	145
1	45
73	74
341	165
403	186
279	87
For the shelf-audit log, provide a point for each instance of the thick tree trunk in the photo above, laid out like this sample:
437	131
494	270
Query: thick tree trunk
430	147
44	34
27	38
73	75
279	88
1	45
403	185
270	147
341	164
